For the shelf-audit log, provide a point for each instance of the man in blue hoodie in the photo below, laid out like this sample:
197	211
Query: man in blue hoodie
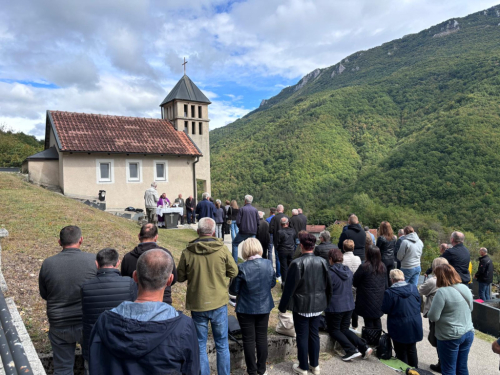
146	336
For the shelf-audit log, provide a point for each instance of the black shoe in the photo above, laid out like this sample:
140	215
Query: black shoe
436	368
351	355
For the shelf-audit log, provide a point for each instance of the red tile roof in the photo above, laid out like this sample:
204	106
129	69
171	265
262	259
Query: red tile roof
82	132
315	228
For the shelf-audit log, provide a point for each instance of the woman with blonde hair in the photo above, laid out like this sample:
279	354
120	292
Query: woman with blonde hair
386	242
451	311
254	302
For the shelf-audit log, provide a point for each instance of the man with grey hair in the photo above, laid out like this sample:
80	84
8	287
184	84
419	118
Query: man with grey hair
138	337
247	221
151	198
206	264
205	208
263	234
296	222
484	274
325	246
302	217
459	256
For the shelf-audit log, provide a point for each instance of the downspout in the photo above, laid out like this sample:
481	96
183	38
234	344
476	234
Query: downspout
195	196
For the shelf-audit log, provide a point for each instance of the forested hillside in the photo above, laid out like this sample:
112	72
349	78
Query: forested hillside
15	147
407	129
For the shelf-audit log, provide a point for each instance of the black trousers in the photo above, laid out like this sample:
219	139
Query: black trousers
254	332
406	353
354	318
307	331
338	328
389	265
373	323
285	260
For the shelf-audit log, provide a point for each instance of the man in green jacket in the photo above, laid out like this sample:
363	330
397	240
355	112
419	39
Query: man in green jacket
206	263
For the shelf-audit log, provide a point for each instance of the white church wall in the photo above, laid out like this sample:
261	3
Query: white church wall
81	178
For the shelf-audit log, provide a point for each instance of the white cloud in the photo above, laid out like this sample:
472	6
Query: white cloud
122	56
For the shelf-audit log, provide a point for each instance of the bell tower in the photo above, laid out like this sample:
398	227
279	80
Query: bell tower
186	107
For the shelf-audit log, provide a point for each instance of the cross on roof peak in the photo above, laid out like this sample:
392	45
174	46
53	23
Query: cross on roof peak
184	64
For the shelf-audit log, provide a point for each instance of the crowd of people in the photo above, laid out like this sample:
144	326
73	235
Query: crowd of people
126	324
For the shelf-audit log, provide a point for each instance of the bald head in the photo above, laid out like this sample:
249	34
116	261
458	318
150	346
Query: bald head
154	268
295	212
457	238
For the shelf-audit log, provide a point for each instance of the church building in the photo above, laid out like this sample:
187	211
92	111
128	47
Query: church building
86	153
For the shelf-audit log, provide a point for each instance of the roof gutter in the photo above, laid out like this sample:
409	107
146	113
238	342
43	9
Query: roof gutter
195	196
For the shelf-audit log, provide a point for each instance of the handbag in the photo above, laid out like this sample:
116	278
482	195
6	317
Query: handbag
371	335
384	348
229	222
285	324
432	334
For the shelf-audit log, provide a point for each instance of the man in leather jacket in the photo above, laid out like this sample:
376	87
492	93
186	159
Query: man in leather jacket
307	293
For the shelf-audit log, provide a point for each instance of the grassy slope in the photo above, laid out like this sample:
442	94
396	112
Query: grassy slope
34	216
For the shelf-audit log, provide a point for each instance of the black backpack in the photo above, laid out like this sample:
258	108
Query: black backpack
384	348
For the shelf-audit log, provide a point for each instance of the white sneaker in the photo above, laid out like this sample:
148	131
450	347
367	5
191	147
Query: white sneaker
297	370
315	370
367	353
278	280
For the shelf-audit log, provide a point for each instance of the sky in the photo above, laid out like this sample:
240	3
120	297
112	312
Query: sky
122	57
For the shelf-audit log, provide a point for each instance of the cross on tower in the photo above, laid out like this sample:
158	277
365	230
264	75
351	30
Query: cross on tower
185	62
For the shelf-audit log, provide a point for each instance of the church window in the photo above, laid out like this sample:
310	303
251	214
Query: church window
104	171
200	128
193	128
161	170
186	127
199	111
134	171
192	111
185	110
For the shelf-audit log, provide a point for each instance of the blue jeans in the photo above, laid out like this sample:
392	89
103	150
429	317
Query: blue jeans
234	229
484	291
63	340
218	321
454	354
411	275
240	237
190	216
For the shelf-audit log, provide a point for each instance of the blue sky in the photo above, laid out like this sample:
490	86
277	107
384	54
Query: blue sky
123	56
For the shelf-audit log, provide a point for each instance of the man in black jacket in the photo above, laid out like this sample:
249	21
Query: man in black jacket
484	274
104	292
275	224
303	217
296	222
356	233
147	237
325	246
60	279
190	206
307	294
263	234
459	256
286	246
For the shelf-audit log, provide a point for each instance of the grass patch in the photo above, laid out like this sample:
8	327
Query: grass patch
34	216
484	336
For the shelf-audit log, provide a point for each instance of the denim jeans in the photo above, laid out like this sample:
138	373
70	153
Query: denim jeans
307	330
240	237
218	321
411	275
234	229
454	354
218	230
484	291
63	341
190	216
